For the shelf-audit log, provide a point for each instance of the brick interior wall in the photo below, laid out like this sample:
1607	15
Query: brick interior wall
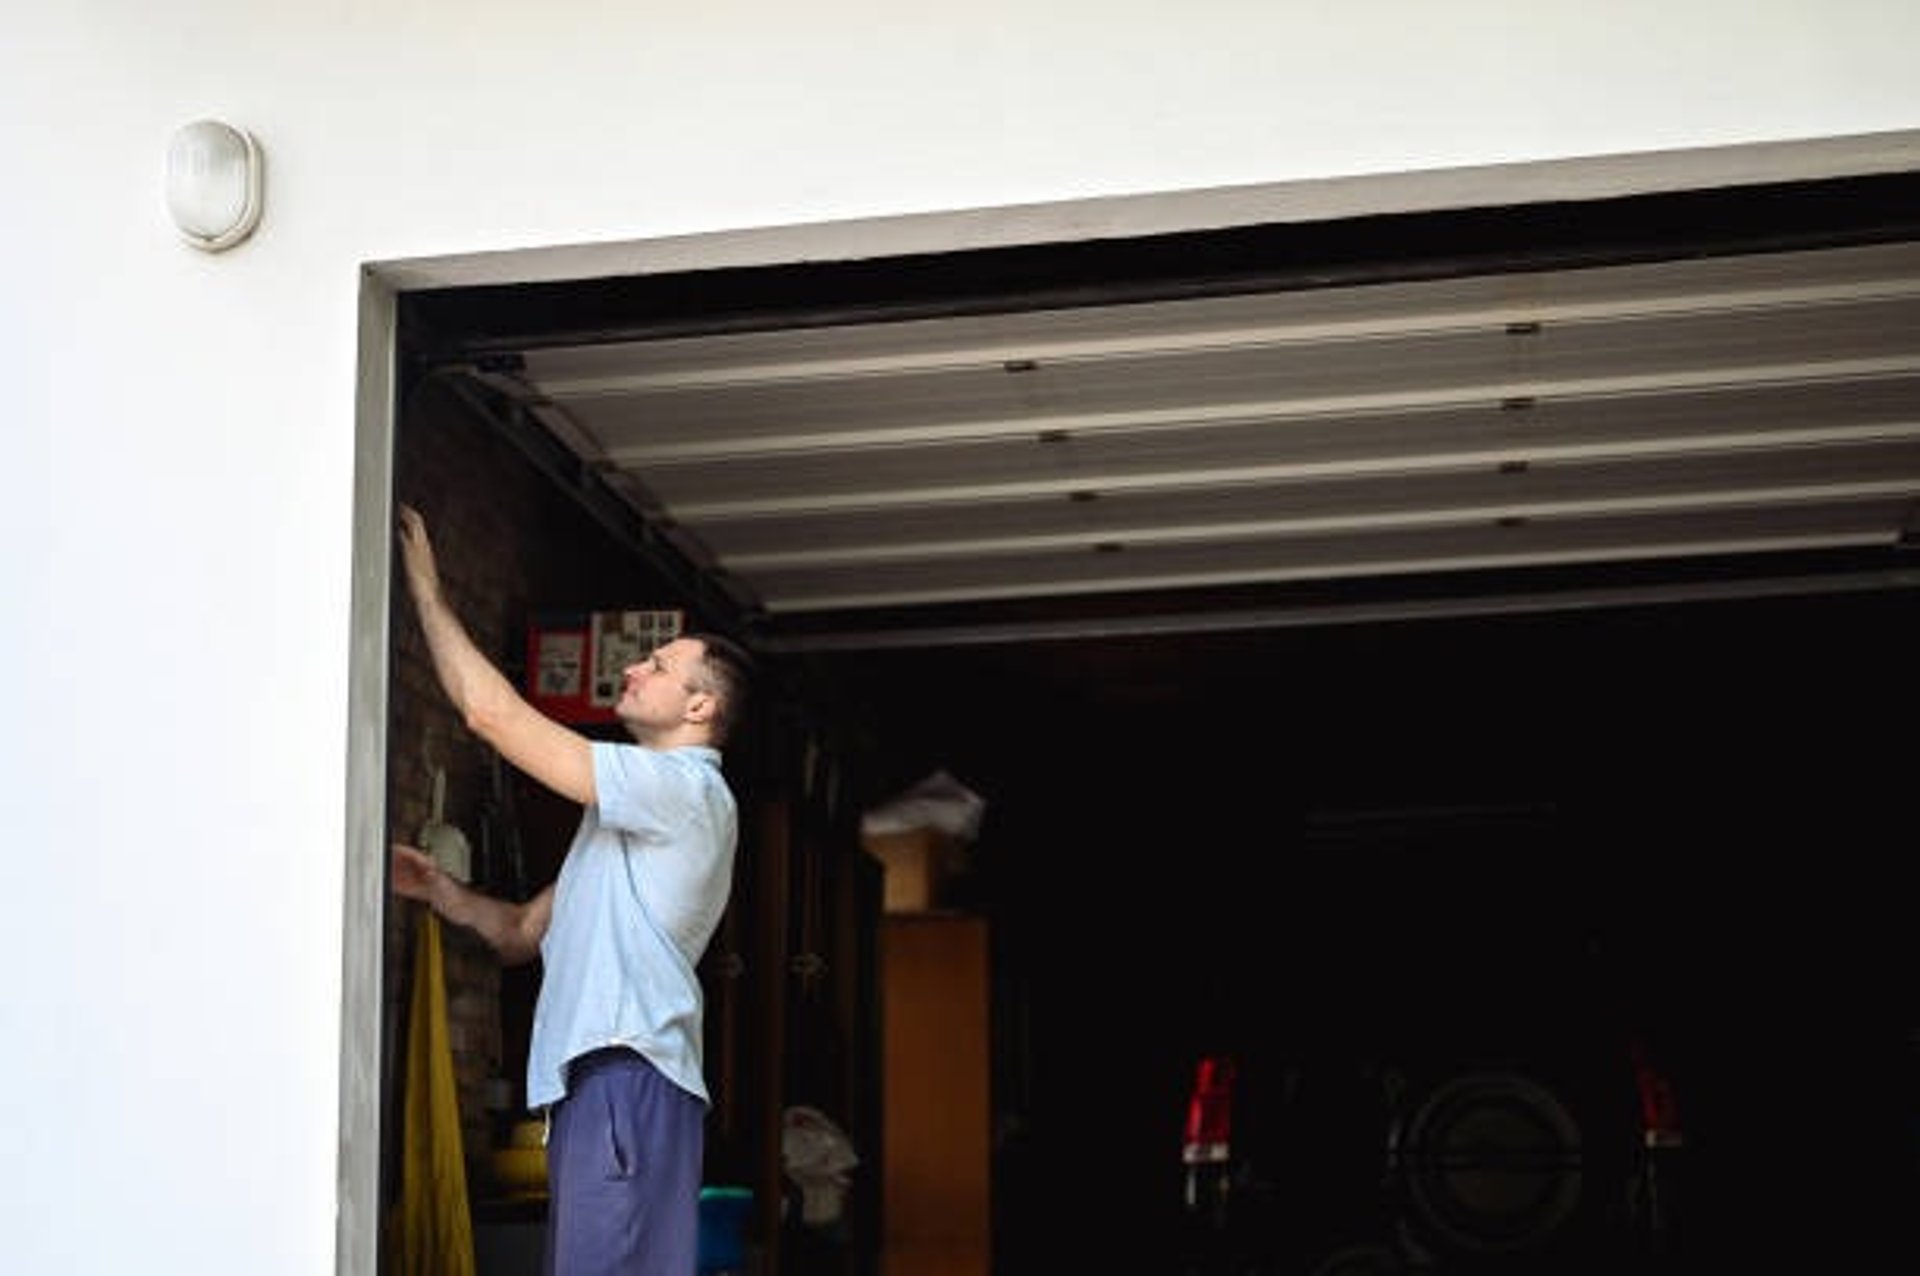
509	544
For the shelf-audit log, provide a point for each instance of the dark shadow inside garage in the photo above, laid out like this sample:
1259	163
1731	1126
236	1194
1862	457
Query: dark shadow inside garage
1449	847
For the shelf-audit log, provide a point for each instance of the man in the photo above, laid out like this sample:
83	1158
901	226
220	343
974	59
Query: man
615	1056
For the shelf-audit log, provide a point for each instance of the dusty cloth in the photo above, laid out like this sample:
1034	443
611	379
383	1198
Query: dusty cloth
434	1226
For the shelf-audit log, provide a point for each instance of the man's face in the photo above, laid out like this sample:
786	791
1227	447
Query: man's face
658	690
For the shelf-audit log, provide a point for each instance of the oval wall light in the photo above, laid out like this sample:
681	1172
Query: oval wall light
213	184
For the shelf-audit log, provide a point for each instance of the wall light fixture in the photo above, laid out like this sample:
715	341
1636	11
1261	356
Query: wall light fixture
214	184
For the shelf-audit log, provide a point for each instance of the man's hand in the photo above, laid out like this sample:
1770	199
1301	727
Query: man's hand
415	875
416	555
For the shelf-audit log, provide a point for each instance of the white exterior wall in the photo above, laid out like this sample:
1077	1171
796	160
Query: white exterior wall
178	500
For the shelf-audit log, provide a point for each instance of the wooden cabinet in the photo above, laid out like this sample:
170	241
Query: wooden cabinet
936	1118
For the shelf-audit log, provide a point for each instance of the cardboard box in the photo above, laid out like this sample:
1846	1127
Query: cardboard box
918	862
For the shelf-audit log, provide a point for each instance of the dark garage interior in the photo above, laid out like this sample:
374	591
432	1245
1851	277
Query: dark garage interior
1456	845
1378	837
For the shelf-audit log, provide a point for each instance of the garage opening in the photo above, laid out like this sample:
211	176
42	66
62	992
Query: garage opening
1440	660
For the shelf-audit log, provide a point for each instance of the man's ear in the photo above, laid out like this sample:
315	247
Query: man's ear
699	707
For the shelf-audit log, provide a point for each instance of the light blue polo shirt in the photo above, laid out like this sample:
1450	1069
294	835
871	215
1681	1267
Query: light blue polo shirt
639	895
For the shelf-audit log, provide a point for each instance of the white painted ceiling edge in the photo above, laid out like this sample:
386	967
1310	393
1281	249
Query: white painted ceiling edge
1117	216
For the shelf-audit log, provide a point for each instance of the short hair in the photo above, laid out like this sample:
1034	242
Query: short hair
728	669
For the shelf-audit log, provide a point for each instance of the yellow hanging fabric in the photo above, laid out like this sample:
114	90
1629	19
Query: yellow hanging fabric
435	1225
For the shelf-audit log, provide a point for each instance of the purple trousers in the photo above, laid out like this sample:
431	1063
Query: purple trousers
624	1160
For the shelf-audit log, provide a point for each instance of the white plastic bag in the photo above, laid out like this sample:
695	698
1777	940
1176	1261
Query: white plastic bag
817	1155
938	802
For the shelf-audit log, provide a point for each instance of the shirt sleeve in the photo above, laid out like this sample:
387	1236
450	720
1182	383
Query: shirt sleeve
640	791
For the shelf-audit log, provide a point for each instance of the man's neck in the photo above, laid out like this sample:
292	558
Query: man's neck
684	736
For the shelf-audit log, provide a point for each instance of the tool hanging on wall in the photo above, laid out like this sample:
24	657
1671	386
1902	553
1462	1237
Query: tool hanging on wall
444	841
